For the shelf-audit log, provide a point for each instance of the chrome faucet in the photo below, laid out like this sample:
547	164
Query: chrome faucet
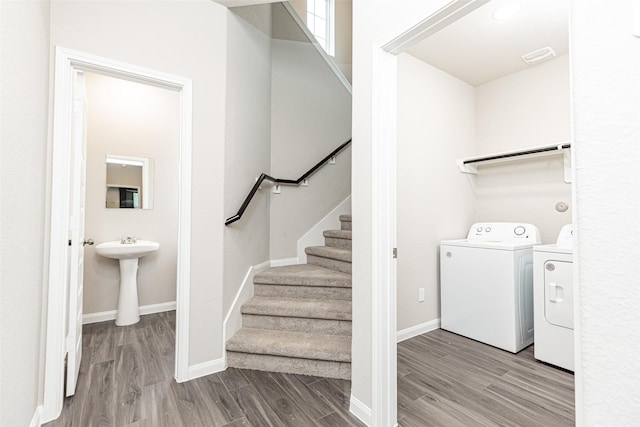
128	240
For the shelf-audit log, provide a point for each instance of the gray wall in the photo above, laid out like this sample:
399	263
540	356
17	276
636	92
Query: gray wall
436	125
247	146
310	117
131	119
24	28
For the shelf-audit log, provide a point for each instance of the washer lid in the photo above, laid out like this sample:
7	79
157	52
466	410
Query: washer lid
502	246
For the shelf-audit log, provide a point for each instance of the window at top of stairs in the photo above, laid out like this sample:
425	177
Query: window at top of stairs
321	22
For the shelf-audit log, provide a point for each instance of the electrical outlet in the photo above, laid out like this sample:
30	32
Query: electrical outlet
421	295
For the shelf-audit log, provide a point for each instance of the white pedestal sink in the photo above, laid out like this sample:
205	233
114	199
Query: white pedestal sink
127	252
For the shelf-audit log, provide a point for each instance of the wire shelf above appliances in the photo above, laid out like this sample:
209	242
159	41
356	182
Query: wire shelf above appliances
470	164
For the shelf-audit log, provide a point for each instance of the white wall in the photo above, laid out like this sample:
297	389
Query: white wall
131	119
606	90
187	39
24	31
521	110
436	125
310	117
247	146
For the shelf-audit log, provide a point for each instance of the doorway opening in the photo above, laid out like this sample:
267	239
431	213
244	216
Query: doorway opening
392	59
68	65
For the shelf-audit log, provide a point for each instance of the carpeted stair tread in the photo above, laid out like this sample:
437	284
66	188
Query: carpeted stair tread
334	348
298	307
289	365
297	324
329	252
297	291
345	218
337	234
303	275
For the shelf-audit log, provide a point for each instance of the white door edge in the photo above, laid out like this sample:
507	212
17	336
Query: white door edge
383	165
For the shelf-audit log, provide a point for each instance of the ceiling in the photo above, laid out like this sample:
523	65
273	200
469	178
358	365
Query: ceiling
478	48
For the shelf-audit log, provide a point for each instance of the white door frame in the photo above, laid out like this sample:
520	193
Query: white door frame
66	61
383	164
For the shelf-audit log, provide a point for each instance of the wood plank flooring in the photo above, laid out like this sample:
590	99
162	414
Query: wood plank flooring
448	380
126	379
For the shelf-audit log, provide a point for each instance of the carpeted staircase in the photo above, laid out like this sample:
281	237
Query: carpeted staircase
299	320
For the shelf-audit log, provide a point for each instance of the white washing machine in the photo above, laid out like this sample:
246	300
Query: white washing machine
553	301
486	284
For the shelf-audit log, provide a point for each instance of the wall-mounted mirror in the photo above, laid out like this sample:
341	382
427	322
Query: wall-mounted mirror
129	182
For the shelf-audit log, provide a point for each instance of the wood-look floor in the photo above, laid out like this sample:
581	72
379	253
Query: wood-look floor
448	380
126	379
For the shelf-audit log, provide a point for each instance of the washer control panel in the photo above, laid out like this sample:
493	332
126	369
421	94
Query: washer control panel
504	232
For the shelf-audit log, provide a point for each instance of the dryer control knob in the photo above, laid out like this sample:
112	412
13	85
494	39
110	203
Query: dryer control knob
519	230
479	229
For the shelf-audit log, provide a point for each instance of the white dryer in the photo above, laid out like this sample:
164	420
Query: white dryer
553	301
486	284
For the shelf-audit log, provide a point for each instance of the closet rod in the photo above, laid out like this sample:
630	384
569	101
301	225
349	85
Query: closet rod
516	153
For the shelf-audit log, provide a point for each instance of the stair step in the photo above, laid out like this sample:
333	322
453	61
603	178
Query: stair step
297	324
303	275
338	234
337	254
301	307
333	348
329	257
289	365
338	238
345	222
298	291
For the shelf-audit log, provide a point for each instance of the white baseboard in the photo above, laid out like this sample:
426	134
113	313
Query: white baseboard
360	410
36	420
207	368
283	262
233	320
314	236
416	330
104	316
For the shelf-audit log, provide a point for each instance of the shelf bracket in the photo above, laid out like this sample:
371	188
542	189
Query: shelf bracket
466	168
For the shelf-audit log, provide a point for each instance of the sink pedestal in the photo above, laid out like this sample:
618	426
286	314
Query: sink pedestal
128	309
127	251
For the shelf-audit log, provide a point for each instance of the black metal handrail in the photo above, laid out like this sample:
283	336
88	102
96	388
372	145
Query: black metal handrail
264	176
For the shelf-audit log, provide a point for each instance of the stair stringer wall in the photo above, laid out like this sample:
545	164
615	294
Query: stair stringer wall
314	236
233	317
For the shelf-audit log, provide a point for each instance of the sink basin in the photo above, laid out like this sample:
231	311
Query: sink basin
127	254
118	250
